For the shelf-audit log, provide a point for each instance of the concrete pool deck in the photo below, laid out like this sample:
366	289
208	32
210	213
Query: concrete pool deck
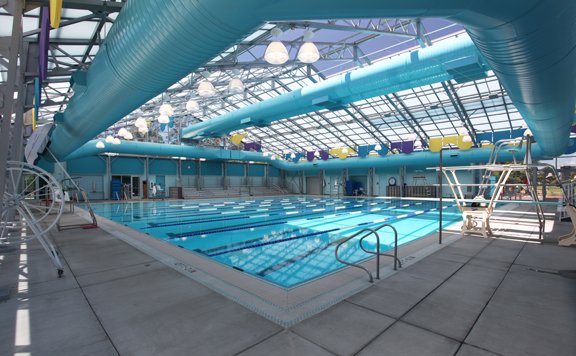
474	297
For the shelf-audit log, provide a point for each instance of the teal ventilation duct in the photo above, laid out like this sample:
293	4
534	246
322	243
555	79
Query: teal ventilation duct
413	160
528	43
450	59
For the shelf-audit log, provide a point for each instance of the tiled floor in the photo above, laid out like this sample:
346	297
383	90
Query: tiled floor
475	297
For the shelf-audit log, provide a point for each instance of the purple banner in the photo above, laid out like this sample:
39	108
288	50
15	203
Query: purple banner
310	155
253	146
396	146
407	146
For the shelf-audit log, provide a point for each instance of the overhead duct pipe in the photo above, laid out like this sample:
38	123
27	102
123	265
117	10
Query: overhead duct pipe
413	160
410	70
528	43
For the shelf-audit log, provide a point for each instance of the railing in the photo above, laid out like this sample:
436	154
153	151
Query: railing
368	232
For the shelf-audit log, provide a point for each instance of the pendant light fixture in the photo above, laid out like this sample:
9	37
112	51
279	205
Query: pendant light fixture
276	52
236	86
192	105
166	109
308	52
206	89
163	119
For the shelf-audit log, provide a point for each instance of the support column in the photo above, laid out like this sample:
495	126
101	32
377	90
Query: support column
370	190
199	176
402	181
343	181
7	91
179	173
322	180
224	176
108	178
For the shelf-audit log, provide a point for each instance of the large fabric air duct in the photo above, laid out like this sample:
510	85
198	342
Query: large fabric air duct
528	43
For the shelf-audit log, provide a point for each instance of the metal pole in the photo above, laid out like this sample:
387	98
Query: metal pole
8	92
440	180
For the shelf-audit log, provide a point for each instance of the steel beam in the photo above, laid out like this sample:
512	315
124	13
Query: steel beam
8	92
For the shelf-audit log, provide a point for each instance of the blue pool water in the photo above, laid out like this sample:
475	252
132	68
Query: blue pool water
283	240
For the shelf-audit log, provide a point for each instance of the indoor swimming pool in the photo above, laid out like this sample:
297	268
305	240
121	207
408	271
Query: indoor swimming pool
283	240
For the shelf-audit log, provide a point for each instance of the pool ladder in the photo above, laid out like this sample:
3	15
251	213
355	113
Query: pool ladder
368	232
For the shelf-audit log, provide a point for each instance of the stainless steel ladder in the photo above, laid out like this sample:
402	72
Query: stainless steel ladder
368	232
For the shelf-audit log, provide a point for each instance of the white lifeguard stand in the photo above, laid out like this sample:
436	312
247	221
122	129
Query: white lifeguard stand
477	212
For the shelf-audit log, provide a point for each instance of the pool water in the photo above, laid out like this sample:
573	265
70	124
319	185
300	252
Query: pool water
283	240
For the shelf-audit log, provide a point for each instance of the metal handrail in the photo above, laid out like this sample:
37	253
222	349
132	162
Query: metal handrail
397	262
368	232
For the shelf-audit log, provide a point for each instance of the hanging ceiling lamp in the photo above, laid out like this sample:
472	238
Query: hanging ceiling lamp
276	52
308	52
163	119
236	86
109	139
143	130
166	109
378	147
100	144
206	89
116	141
122	132
140	122
462	131
192	105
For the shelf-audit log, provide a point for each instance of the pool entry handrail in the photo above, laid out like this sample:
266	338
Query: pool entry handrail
369	232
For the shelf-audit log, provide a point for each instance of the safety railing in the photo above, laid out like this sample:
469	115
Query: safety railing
369	232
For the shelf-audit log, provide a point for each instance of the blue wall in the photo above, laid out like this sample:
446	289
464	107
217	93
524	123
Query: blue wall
273	171
86	165
257	170
235	169
127	165
45	165
163	166
189	168
210	168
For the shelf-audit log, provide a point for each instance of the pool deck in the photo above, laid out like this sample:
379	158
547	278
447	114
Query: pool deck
474	297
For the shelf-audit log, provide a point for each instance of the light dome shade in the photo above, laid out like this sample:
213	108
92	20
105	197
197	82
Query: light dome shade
236	86
143	130
276	53
140	122
128	136
206	89
192	105
163	119
308	53
467	138
378	147
109	139
116	141
100	144
166	109
122	132
462	131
